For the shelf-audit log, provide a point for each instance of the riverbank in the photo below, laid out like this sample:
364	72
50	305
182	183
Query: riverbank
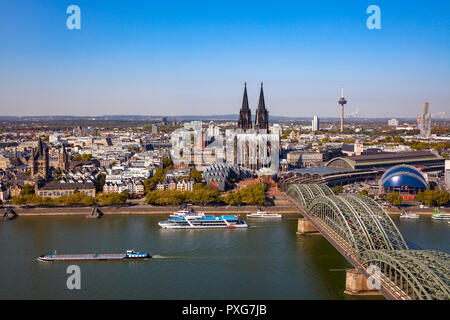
215	210
419	211
148	210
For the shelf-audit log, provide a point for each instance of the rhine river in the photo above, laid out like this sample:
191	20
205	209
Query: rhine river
266	261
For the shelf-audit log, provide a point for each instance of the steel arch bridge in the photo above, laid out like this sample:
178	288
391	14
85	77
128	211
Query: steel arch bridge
365	234
412	274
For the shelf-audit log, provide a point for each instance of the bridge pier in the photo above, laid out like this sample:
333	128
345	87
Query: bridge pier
306	227
356	284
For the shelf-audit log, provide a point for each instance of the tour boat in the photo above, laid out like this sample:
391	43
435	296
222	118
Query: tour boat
198	220
440	216
129	255
188	212
263	214
406	215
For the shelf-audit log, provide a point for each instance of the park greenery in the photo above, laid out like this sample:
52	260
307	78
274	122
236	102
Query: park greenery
364	192
83	157
199	195
76	199
394	198
252	195
434	197
337	190
203	195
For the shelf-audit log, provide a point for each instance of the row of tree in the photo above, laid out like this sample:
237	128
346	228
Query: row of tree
251	195
199	195
75	199
434	197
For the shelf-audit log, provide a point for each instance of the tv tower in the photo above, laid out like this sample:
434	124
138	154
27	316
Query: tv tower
342	101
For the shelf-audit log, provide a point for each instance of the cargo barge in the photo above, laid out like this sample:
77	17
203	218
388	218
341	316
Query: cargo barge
129	255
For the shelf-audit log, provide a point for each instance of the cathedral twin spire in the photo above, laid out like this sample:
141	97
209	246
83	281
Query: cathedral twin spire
261	117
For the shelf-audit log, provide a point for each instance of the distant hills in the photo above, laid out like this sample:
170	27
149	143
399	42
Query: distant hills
224	117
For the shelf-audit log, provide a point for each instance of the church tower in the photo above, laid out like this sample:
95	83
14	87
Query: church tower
245	115
262	115
63	159
40	161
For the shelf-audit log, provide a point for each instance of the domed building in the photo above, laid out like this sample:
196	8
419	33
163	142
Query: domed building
404	179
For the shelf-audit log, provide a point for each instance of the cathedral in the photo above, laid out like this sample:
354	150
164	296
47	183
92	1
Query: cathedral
261	116
253	146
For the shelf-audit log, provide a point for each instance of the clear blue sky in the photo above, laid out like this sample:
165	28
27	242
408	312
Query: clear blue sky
192	57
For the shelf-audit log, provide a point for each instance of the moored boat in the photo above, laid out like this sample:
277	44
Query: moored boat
264	214
440	216
406	215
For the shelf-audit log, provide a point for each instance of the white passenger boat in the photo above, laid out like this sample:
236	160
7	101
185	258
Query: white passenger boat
440	216
264	214
188	219
406	215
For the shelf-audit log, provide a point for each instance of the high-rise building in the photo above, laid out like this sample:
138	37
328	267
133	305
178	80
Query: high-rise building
315	124
262	115
425	129
393	123
245	114
155	129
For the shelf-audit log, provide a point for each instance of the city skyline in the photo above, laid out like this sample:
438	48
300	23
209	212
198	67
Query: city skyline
193	59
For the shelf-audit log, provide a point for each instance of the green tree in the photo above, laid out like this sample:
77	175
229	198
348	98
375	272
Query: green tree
337	189
86	157
150	184
253	195
233	198
100	182
434	197
364	192
27	189
112	198
394	198
167	162
195	175
419	197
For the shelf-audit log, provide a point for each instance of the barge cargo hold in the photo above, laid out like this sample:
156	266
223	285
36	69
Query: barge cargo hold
129	255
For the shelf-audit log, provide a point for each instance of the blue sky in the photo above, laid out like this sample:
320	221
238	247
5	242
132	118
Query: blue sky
192	57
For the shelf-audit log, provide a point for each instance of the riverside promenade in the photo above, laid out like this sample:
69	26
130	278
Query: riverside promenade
214	210
148	210
140	208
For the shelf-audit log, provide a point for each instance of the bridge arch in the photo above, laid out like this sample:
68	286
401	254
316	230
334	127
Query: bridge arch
415	274
363	229
305	193
370	226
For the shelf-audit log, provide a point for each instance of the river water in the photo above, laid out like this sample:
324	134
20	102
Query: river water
266	261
